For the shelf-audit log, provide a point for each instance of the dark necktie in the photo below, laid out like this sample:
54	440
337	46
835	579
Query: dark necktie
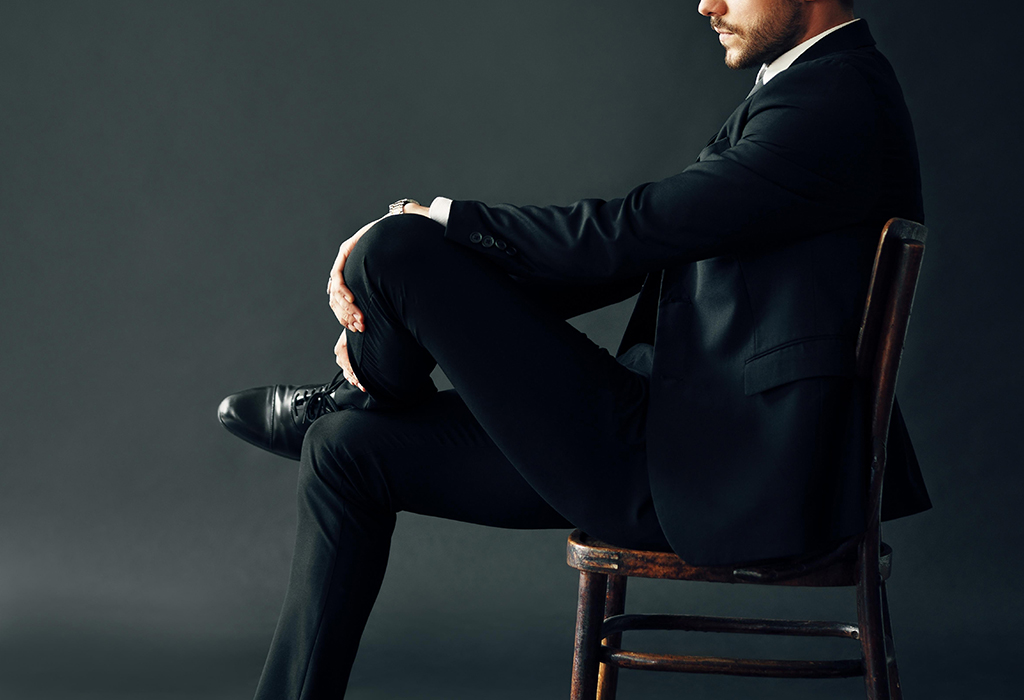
757	86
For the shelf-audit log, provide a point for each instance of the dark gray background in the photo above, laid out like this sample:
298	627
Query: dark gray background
175	178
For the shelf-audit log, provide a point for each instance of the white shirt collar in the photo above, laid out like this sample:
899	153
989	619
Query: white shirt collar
770	70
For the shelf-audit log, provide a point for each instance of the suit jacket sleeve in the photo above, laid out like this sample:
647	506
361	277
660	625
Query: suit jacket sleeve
799	165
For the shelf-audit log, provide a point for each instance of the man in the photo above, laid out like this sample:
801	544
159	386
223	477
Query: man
728	429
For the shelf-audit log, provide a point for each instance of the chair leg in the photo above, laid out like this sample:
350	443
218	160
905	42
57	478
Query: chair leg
872	638
895	690
589	617
614	604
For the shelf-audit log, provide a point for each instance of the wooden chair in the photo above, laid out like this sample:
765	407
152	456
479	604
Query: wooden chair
863	561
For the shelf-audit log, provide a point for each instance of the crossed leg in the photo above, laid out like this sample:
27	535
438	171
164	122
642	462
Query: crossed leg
544	430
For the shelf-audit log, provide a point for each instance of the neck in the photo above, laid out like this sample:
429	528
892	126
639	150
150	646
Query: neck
821	16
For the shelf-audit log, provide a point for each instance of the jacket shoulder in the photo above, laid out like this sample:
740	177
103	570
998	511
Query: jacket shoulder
864	67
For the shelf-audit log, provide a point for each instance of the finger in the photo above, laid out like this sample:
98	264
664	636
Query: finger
335	281
355	317
334	276
336	285
349	315
344	317
341	350
341	355
344	250
349	373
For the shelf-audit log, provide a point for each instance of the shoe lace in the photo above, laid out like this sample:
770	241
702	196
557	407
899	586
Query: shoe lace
313	403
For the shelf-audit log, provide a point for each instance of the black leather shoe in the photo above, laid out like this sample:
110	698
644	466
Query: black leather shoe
277	417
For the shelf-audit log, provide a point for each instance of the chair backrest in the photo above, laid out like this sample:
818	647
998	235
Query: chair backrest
883	330
882	333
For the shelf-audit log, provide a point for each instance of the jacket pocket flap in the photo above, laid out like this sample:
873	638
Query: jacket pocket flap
825	356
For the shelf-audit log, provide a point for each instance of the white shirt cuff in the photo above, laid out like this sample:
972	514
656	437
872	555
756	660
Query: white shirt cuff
440	208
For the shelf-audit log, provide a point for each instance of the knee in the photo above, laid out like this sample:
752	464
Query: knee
334	458
395	247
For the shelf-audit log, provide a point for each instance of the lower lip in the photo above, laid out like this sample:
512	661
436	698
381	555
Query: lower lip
723	35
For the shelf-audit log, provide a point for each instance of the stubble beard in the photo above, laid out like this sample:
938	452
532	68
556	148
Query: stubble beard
770	36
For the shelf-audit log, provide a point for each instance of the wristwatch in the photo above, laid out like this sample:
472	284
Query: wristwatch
399	206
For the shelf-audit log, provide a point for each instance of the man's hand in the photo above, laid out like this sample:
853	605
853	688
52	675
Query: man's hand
341	357
340	297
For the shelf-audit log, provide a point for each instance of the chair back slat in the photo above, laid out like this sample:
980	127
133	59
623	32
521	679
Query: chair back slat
895	232
882	334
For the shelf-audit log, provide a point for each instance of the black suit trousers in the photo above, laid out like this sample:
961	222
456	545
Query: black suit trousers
543	430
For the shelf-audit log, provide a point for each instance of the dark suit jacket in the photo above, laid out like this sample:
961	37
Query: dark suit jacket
756	259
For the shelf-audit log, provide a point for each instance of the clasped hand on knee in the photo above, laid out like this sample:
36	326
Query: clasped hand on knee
341	300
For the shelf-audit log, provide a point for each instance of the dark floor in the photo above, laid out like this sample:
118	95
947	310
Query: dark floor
455	621
514	666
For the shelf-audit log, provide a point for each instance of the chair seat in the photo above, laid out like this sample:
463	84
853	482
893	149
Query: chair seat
835	568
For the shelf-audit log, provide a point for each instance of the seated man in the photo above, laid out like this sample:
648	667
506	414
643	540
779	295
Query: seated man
729	427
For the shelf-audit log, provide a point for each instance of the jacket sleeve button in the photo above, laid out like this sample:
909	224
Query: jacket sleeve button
510	251
500	245
487	242
476	237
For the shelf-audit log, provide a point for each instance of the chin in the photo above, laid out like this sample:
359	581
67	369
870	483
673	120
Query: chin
734	61
738	59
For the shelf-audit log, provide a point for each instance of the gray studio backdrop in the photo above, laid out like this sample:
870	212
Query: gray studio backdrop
175	178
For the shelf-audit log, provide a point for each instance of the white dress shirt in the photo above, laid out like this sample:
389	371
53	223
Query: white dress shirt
439	210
